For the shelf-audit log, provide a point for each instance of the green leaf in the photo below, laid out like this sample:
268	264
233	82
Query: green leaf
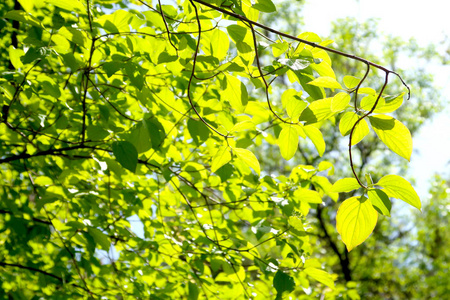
69	5
140	137
283	283
393	134
304	77
326	82
237	33
340	102
222	157
249	159
100	238
397	187
23	17
308	196
193	291
346	124
264	6
351	82
198	131
345	185
315	135
288	142
126	154
355	220
235	93
380	201
321	276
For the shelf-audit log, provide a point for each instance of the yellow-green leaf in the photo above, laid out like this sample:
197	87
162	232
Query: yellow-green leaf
21	16
355	220
294	108
321	276
249	159
288	142
345	185
368	102
70	5
316	137
393	134
317	111
397	187
380	201
391	104
326	82
340	102
235	93
346	124
307	195
351	81
222	157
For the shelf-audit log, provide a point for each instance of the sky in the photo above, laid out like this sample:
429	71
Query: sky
427	22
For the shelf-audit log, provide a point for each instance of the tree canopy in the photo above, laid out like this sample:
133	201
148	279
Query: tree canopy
179	151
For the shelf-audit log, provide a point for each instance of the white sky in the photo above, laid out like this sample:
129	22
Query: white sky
426	21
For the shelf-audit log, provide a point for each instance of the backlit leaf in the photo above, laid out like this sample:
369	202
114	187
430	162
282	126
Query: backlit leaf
321	276
380	201
345	185
308	196
355	220
326	82
316	137
235	93
346	124
340	102
397	187
393	134
249	159
222	157
288	142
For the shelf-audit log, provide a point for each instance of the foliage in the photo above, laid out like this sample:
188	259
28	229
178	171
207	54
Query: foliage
130	152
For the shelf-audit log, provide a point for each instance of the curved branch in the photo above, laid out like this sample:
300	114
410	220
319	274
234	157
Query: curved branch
386	80
194	61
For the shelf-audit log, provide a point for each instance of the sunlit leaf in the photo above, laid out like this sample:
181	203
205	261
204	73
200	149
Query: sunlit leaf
321	276
340	102
288	142
345	185
397	187
355	220
316	137
249	158
307	195
326	82
380	201
222	157
393	134
346	124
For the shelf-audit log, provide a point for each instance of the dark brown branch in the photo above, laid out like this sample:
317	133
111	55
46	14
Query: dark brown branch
315	45
194	61
4	264
2	211
386	80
